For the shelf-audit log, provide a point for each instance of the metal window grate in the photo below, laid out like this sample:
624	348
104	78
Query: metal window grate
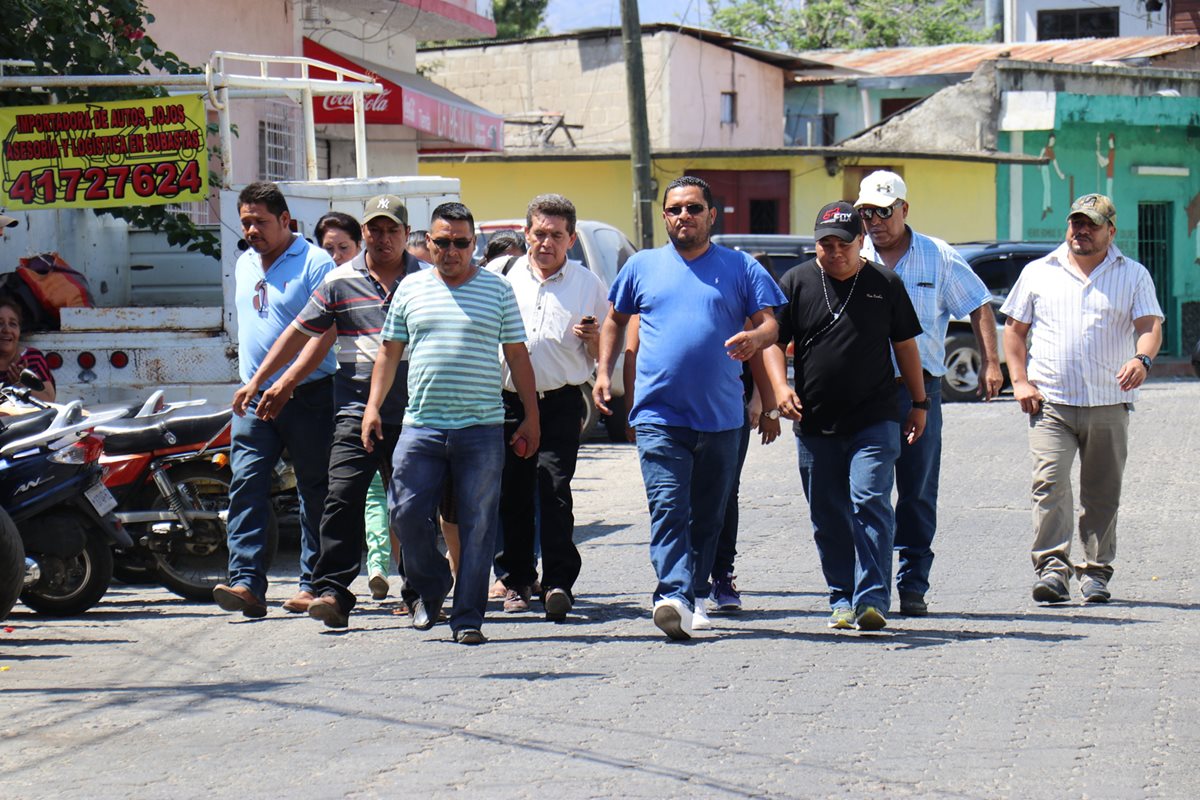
1154	250
278	143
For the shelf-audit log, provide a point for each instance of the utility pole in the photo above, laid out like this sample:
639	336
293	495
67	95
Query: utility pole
639	127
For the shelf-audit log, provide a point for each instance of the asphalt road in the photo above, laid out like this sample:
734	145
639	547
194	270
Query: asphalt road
149	696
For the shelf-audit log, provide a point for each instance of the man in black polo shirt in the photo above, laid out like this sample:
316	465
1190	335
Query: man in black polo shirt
847	316
351	306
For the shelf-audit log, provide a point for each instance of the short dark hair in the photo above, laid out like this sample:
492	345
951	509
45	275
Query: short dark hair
690	180
337	221
453	212
551	205
265	193
8	301
501	241
416	238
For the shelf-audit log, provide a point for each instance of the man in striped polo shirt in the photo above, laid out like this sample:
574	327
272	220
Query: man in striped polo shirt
451	319
1083	328
350	306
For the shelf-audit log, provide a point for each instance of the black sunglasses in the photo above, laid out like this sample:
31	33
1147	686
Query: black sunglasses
866	212
444	244
692	208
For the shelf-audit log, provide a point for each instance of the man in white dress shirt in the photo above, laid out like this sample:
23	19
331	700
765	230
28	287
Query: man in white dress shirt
560	303
1083	329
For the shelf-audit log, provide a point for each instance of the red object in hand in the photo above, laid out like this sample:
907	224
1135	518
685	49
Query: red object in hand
520	446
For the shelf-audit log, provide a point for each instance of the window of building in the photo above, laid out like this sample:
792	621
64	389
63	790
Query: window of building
278	143
729	108
1078	23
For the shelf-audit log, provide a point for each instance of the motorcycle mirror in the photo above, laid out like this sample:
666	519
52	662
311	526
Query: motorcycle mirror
30	379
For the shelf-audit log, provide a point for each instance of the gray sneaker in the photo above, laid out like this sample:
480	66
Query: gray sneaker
1051	588
1094	589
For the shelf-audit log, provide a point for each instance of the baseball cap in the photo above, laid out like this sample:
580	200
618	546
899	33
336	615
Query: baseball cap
386	205
1096	207
838	219
881	189
7	222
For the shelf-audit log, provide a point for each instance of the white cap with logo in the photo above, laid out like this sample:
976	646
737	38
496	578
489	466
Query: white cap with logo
881	189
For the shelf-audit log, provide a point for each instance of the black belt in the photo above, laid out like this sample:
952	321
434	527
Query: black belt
550	392
924	374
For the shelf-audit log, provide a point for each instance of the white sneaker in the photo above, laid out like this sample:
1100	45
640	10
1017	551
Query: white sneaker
700	620
673	618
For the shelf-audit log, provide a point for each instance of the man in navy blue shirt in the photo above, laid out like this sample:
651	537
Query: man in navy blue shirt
693	299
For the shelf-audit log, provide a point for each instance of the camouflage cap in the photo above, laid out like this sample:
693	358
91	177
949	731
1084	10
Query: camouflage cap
1096	207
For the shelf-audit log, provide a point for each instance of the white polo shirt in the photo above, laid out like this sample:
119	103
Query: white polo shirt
551	308
1081	330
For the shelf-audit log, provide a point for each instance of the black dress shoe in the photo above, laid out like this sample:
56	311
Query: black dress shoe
912	604
420	616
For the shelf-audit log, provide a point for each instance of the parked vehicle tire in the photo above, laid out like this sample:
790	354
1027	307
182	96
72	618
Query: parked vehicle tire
70	586
963	363
12	564
133	568
192	567
614	423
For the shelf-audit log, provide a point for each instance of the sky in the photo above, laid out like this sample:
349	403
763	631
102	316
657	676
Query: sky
569	15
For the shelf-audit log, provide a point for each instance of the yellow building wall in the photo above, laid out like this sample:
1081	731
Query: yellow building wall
951	200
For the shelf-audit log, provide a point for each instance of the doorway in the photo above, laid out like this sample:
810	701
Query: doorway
750	201
1154	251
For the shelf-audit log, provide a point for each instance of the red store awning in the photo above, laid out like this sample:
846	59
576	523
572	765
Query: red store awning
445	120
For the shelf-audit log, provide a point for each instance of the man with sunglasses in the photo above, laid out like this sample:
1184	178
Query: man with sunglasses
451	320
941	286
273	280
348	307
693	299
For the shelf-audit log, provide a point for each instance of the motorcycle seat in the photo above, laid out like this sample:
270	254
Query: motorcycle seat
190	425
18	427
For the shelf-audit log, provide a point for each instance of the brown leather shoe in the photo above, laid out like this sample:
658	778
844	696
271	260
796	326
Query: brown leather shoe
298	603
517	600
327	609
239	598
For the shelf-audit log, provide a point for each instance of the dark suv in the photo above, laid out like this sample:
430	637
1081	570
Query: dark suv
785	250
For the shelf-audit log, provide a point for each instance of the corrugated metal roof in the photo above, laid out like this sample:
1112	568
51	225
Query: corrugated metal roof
964	58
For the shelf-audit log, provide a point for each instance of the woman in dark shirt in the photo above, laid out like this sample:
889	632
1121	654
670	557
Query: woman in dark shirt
14	357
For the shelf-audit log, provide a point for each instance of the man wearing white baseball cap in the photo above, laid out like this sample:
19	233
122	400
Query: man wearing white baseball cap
941	285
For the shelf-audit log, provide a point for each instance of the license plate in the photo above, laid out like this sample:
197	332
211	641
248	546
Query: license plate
101	498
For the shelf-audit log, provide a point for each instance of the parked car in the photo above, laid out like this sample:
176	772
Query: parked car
785	250
603	249
998	264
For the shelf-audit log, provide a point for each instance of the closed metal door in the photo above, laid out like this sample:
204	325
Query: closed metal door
1154	250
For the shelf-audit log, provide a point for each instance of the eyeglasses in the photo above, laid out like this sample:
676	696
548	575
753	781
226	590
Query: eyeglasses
461	244
692	208
866	212
260	297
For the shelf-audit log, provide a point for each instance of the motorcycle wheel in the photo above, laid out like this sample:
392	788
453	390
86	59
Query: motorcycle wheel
70	586
12	564
129	567
193	568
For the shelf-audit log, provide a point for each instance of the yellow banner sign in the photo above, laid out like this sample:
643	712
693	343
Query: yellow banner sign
96	155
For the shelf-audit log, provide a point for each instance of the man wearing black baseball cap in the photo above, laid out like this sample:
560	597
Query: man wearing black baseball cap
847	316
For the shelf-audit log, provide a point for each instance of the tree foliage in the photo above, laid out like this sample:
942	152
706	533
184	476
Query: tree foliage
516	19
798	25
96	37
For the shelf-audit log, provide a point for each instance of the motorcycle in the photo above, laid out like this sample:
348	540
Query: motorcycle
168	467
52	494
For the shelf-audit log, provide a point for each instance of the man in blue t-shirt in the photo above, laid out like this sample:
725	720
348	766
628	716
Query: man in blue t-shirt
693	299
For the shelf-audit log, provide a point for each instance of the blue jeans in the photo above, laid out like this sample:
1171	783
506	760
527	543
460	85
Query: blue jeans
917	473
726	550
688	475
305	428
474	456
847	480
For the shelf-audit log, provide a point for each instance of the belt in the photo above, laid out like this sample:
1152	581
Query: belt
550	392
924	374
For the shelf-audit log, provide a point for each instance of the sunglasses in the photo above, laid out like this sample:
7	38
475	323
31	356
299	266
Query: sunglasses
866	212
260	297
461	244
692	208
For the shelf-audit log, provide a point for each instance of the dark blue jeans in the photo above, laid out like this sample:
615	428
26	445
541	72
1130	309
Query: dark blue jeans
917	473
687	474
847	479
727	540
305	428
474	456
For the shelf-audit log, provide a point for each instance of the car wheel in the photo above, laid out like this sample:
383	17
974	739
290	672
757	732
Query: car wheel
961	381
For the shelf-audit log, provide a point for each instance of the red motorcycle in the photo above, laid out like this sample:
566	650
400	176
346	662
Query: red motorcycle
168	467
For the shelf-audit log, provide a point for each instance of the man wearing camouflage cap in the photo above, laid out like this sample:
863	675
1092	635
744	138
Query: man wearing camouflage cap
1083	328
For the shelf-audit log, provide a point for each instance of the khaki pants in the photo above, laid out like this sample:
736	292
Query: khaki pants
1100	434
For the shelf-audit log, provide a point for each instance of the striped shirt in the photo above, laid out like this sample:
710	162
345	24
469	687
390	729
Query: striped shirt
941	285
356	303
452	334
1081	330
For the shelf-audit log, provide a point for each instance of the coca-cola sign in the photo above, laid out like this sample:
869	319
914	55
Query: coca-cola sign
371	103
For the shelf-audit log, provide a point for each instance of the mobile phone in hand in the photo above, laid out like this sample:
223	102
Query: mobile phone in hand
588	320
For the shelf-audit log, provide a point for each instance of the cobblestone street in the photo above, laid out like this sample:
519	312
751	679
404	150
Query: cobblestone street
991	696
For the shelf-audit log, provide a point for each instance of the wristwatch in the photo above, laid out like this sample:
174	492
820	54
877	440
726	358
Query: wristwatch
1147	362
921	404
772	414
